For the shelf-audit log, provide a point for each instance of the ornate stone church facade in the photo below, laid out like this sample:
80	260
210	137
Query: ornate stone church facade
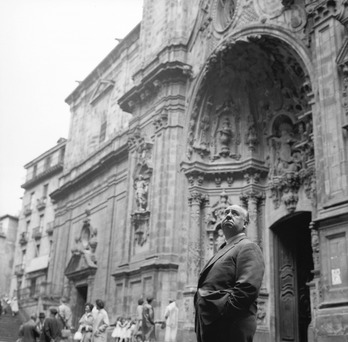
207	103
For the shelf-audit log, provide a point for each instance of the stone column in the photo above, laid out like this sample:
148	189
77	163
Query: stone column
194	238
251	200
193	256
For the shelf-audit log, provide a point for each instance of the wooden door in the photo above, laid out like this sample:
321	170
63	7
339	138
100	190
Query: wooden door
293	265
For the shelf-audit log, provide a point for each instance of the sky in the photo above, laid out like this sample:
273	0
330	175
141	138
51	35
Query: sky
46	46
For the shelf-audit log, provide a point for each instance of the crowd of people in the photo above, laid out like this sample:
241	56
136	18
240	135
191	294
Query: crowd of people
8	305
57	326
92	326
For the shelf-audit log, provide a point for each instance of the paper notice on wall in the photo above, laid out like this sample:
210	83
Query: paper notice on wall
336	276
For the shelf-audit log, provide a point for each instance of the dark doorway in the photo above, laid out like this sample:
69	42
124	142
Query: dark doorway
293	265
81	300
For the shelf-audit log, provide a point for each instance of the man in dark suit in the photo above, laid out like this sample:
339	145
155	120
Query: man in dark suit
28	330
229	285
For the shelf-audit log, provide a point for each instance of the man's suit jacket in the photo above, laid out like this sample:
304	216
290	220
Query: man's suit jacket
228	287
28	331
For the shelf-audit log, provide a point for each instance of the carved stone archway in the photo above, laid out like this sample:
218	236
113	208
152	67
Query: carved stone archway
249	133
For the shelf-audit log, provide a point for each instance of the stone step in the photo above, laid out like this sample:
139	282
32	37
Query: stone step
9	327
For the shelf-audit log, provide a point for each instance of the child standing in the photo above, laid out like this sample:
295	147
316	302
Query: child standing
116	333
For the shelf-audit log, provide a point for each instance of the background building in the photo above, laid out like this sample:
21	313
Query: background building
8	234
207	103
35	232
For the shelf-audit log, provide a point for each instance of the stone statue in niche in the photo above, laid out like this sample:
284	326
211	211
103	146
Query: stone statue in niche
282	146
251	135
86	242
225	132
225	137
141	193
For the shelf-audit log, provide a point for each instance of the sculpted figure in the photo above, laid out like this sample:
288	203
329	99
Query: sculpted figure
141	192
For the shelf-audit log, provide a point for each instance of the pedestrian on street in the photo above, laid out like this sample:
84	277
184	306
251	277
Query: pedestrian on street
148	322
229	284
28	331
40	326
101	322
51	329
171	316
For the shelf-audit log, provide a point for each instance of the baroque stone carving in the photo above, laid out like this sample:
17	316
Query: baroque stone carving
141	186
140	223
291	164
223	14
213	218
218	134
86	241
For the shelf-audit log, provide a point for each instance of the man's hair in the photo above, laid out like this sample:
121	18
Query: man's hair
33	316
99	303
53	310
140	301
149	299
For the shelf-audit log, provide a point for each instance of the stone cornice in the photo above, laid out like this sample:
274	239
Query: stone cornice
49	172
106	63
326	9
158	265
248	166
103	163
151	83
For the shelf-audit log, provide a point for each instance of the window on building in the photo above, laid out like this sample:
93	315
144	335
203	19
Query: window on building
32	287
37	250
24	252
61	155
41	222
45	191
48	162
102	134
34	170
31	198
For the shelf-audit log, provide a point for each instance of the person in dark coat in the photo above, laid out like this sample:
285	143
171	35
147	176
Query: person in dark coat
229	284
51	329
148	321
28	331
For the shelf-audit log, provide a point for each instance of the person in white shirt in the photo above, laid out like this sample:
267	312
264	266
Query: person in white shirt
171	316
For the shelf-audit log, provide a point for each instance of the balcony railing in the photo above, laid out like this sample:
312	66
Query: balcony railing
37	233
41	203
19	269
27	210
23	238
49	228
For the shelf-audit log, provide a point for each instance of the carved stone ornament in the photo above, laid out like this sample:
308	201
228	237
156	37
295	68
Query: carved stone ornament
142	174
140	224
315	246
213	219
291	161
285	188
218	132
87	240
223	14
